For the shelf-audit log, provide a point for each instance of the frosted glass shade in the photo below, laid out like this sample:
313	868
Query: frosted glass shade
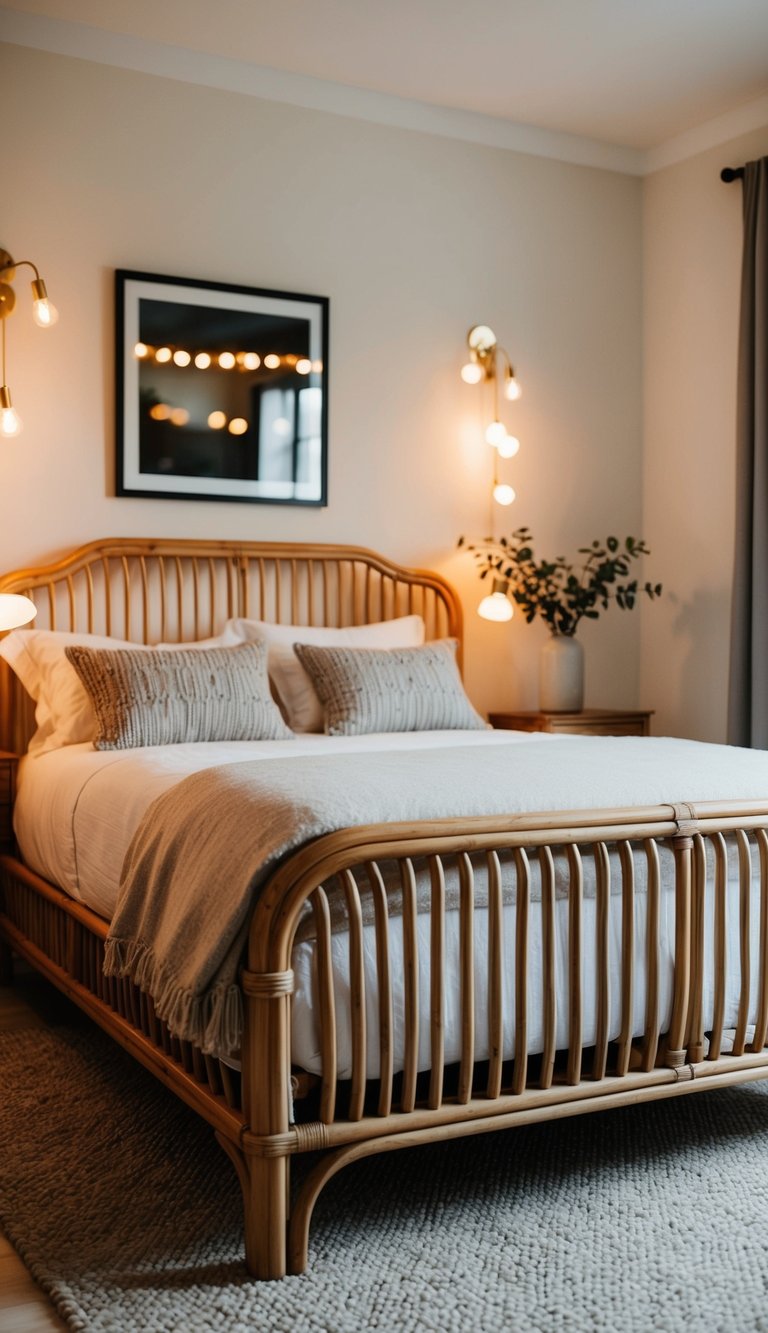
15	610
497	606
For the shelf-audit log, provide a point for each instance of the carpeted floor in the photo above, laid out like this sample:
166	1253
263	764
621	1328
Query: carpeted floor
128	1215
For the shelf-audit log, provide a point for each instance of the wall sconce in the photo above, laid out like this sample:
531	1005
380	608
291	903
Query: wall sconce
43	314
489	364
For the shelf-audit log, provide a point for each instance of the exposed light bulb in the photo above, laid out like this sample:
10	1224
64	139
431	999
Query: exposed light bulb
181	358
471	373
272	361
10	421
141	350
226	360
163	354
202	360
217	420
43	312
496	433
497	606
503	494
509	446
512	389
238	426
251	361
303	366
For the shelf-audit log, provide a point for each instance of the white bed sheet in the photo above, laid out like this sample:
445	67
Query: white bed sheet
77	809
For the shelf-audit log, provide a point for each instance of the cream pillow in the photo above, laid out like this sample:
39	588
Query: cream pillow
142	696
64	712
298	698
366	690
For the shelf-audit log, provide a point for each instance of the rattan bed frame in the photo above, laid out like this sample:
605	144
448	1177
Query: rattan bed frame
162	590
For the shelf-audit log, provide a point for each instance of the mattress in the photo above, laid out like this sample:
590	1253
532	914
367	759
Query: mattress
77	809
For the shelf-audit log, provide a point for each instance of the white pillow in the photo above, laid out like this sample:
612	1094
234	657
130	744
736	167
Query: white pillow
64	712
298	698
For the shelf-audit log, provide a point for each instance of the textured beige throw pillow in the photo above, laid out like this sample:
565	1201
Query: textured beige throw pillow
367	690
144	696
301	707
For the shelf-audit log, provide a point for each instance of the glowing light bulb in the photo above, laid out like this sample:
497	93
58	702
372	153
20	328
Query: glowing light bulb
43	312
512	389
160	411
238	426
140	350
181	358
497	606
509	446
272	361
503	494
471	373
217	420
251	361
163	354
179	416
10	421
226	360
496	433
303	366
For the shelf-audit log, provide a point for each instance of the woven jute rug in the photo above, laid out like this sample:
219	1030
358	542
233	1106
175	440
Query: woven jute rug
128	1214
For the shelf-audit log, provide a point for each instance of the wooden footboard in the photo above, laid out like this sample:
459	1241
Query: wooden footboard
615	1066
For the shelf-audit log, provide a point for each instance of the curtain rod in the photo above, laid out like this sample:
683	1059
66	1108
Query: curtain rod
729	174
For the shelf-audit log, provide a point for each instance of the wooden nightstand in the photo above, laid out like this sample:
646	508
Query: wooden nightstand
8	764
590	722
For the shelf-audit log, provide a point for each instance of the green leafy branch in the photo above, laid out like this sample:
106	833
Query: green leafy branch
563	594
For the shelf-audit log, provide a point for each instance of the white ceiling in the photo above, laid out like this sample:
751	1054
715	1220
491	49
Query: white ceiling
633	74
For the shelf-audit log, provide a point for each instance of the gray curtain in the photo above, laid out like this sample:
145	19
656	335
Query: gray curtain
748	685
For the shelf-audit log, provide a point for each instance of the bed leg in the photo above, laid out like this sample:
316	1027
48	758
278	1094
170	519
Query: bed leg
6	963
264	1183
266	1217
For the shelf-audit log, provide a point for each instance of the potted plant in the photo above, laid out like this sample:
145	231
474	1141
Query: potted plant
562	595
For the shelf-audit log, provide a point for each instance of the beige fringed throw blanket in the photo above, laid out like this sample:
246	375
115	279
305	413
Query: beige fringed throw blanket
204	847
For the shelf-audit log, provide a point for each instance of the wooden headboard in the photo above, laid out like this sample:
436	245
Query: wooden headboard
151	591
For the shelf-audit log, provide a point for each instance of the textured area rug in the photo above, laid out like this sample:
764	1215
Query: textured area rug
128	1214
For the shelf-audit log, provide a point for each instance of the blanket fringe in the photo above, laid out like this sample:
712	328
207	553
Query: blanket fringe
212	1020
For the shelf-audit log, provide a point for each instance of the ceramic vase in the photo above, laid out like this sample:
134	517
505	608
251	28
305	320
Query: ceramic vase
561	675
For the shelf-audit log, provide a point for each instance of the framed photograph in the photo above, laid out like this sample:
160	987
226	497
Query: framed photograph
222	391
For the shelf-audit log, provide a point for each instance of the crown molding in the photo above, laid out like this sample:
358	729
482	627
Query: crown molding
85	42
721	129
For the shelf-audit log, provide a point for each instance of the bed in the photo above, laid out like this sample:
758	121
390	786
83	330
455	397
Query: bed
470	958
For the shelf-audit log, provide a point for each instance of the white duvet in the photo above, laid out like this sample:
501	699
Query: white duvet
77	809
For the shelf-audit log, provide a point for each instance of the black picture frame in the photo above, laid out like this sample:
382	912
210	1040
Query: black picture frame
204	410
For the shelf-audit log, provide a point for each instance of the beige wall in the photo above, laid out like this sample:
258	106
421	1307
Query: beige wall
413	238
692	263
